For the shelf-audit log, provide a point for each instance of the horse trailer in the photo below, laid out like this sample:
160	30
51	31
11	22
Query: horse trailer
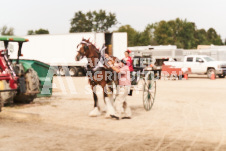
216	52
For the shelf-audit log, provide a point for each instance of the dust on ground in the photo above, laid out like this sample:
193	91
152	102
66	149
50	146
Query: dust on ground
187	115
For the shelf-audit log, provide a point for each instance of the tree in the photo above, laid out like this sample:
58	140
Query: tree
147	36
99	21
38	32
41	31
6	31
163	33
30	32
213	37
184	34
131	33
81	22
176	26
201	37
187	35
177	32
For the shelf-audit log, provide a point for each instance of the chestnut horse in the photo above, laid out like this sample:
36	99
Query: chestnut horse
102	77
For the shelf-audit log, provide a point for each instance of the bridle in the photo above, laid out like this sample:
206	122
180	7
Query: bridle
86	48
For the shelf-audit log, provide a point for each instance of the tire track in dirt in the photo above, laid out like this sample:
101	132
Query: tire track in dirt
181	134
222	140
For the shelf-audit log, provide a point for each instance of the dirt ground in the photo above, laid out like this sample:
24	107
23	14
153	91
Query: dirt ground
187	115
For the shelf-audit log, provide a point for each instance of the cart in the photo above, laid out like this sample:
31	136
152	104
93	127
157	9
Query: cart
148	80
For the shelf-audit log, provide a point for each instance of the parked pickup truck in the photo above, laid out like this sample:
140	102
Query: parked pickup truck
201	64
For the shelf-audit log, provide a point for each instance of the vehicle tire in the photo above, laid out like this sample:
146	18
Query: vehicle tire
221	76
7	97
209	72
73	71
32	85
81	72
55	70
63	71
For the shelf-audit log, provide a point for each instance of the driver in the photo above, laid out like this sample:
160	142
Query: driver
122	108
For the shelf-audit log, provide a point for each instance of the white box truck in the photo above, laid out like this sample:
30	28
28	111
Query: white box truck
59	51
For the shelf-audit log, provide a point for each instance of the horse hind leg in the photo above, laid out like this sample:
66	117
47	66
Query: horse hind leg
96	111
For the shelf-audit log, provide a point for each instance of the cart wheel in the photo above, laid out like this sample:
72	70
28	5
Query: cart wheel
149	93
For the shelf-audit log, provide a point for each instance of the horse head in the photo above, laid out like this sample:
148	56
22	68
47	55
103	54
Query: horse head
88	50
83	49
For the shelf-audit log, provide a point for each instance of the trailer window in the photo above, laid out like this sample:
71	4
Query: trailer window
144	62
190	59
136	62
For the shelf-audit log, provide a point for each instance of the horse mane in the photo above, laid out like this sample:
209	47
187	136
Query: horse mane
90	43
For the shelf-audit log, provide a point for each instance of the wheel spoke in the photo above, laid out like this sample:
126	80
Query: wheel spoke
149	92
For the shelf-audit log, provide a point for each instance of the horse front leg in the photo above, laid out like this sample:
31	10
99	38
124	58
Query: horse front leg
108	98
96	111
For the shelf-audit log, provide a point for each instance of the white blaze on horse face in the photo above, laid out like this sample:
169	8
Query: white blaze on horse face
79	47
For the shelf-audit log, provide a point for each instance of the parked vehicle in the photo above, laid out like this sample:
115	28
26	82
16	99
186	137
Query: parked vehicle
152	58
59	51
19	82
201	64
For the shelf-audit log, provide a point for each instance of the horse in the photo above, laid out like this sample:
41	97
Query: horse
103	77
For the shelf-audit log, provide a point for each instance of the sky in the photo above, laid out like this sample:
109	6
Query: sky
55	15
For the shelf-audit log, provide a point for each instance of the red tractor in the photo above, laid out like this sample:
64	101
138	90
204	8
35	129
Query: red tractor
17	83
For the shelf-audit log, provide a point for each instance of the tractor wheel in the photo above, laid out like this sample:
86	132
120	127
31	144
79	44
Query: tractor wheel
7	97
32	88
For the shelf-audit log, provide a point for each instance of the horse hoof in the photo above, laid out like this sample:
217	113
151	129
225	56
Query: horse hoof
95	112
116	117
107	115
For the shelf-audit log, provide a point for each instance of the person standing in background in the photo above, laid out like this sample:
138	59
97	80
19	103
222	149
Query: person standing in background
128	60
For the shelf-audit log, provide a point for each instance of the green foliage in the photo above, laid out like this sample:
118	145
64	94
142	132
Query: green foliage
213	37
30	32
41	31
201	37
177	32
37	32
6	31
136	38
93	21
163	33
131	33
